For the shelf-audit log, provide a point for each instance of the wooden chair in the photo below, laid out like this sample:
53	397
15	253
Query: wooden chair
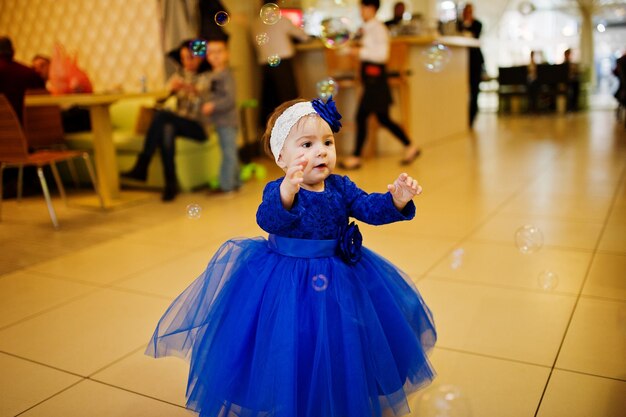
14	153
43	128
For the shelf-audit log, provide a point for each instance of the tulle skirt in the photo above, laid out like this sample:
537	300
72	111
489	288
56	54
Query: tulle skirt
285	328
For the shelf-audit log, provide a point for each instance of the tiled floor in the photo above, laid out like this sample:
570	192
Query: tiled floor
78	305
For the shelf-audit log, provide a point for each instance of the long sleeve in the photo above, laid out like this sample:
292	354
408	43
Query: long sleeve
223	95
374	208
271	216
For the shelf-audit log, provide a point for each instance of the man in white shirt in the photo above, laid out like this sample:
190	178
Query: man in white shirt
275	50
376	98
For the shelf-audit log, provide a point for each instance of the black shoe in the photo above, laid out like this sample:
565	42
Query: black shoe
170	193
136	174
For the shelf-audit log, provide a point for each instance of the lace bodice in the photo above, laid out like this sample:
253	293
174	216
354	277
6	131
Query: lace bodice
321	215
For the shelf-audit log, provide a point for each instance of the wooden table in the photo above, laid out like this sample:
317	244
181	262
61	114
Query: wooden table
104	149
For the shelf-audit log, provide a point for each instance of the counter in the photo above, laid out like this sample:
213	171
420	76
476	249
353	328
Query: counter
438	101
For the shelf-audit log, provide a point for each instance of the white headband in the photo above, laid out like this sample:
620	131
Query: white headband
285	122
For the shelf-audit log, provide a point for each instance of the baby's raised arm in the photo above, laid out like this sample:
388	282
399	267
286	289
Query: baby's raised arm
291	183
403	189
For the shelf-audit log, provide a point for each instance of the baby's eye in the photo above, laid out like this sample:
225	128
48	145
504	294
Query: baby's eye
329	142
306	144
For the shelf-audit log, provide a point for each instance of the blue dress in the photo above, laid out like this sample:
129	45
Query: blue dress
305	323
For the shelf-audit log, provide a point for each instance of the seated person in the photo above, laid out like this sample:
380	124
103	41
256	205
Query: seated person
191	87
75	118
16	78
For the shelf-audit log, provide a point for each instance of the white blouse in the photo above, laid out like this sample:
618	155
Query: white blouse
375	42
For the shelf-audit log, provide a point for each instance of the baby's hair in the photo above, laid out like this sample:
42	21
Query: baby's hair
272	121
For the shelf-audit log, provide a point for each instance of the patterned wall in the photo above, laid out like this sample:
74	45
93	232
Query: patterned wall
117	41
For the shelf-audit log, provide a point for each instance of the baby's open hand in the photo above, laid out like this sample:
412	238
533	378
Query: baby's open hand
294	175
403	189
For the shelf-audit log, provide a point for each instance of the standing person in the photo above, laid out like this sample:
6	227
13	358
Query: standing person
620	72
376	96
472	27
532	84
16	78
573	81
221	111
190	87
275	51
306	323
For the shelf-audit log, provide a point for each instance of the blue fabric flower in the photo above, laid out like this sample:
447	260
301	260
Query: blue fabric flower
350	242
328	112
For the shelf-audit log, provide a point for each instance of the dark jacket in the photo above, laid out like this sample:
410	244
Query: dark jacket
15	79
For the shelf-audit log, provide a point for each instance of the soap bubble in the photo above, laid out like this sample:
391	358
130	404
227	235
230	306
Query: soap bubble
443	401
270	13
319	282
222	18
335	32
198	47
525	8
528	239
457	258
326	88
262	39
273	60
436	57
548	280
194	211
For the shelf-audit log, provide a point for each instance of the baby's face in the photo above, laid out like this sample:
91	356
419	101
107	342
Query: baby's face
312	138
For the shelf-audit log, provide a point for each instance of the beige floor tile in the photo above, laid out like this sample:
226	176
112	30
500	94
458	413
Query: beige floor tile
189	232
596	339
557	232
162	378
172	277
438	223
23	294
122	258
491	387
86	334
24	384
606	277
505	265
513	324
564	207
577	395
414	255
614	235
569	182
98	400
